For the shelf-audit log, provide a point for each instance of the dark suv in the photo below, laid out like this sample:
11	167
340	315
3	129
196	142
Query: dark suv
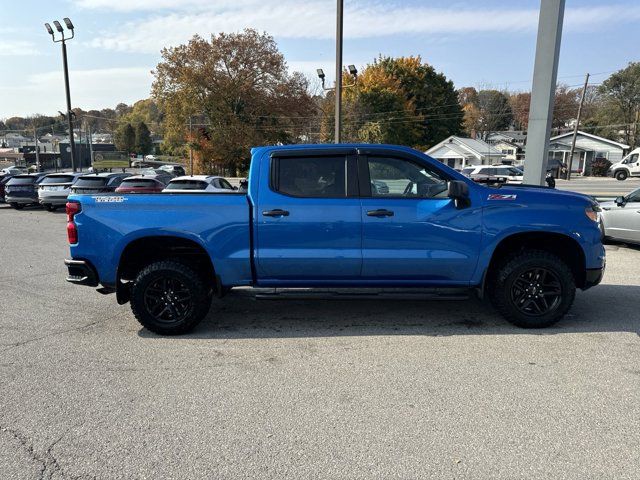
98	183
22	190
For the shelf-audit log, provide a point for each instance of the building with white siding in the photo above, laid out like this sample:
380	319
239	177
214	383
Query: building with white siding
460	152
588	148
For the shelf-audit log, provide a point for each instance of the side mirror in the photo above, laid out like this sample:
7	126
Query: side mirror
459	192
620	201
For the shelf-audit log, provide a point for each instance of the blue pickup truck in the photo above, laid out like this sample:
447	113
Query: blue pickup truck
339	216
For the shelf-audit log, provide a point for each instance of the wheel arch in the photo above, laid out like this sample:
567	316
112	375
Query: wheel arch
145	250
559	244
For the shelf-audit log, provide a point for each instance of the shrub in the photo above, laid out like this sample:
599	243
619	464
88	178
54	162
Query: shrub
599	167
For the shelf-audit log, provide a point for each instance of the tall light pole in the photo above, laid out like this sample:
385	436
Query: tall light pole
338	92
62	40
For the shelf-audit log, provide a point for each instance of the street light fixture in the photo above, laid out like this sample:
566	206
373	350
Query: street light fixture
65	66
353	71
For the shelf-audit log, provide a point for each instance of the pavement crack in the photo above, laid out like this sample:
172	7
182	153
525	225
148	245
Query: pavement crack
47	463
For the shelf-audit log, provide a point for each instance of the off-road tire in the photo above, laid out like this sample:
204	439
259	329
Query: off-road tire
179	274
621	175
511	270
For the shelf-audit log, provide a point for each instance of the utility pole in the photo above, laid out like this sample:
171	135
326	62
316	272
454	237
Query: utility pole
576	126
545	73
338	90
87	126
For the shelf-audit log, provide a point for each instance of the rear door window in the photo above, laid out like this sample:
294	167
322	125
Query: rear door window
313	177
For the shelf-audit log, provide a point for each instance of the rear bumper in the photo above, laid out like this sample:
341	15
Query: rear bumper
593	277
21	200
53	200
81	272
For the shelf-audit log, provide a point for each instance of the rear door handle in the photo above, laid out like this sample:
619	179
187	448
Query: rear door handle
275	213
381	212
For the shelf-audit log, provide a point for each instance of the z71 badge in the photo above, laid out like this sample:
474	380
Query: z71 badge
110	199
497	196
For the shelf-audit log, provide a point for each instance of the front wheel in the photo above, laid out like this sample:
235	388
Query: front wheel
169	298
533	289
621	175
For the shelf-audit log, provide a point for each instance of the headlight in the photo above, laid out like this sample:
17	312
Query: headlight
593	212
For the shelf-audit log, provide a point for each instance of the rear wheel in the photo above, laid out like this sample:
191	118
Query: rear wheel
533	289
169	298
17	206
621	175
49	207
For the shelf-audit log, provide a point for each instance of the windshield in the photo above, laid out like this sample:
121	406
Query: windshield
187	185
57	179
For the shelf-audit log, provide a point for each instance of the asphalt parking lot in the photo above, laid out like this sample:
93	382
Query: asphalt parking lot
316	389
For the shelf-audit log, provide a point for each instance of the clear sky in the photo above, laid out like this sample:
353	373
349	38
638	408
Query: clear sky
482	43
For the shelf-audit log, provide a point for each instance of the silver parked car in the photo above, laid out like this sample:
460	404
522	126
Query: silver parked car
621	218
54	189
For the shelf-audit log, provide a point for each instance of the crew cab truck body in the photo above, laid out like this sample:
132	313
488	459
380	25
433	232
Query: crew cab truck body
338	216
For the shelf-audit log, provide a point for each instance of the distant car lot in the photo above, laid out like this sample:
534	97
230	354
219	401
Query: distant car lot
296	389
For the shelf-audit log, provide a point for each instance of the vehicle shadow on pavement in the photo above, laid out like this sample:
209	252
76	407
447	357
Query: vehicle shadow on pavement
606	308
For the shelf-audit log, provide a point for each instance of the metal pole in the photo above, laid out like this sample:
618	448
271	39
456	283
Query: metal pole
338	90
190	145
35	136
576	126
72	142
90	144
543	90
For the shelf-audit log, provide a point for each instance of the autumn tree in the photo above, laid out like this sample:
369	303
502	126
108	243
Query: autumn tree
520	104
397	100
241	85
486	111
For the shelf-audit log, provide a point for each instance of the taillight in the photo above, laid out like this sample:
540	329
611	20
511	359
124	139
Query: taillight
73	208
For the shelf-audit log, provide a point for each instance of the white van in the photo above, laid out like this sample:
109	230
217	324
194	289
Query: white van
629	166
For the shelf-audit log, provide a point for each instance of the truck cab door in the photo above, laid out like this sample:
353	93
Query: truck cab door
308	220
412	232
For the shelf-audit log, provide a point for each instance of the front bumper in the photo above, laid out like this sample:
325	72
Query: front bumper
81	272
593	276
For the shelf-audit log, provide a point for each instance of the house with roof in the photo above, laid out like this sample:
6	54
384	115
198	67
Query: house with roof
588	148
459	152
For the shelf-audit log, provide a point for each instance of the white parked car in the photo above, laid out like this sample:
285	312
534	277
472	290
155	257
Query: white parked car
620	219
199	183
478	172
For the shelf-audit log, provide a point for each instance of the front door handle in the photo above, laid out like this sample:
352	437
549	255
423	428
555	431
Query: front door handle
381	212
275	213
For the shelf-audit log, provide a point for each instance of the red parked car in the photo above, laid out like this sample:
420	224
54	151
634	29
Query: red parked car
141	184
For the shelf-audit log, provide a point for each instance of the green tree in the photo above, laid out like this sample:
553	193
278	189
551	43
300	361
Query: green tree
125	138
622	90
143	141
